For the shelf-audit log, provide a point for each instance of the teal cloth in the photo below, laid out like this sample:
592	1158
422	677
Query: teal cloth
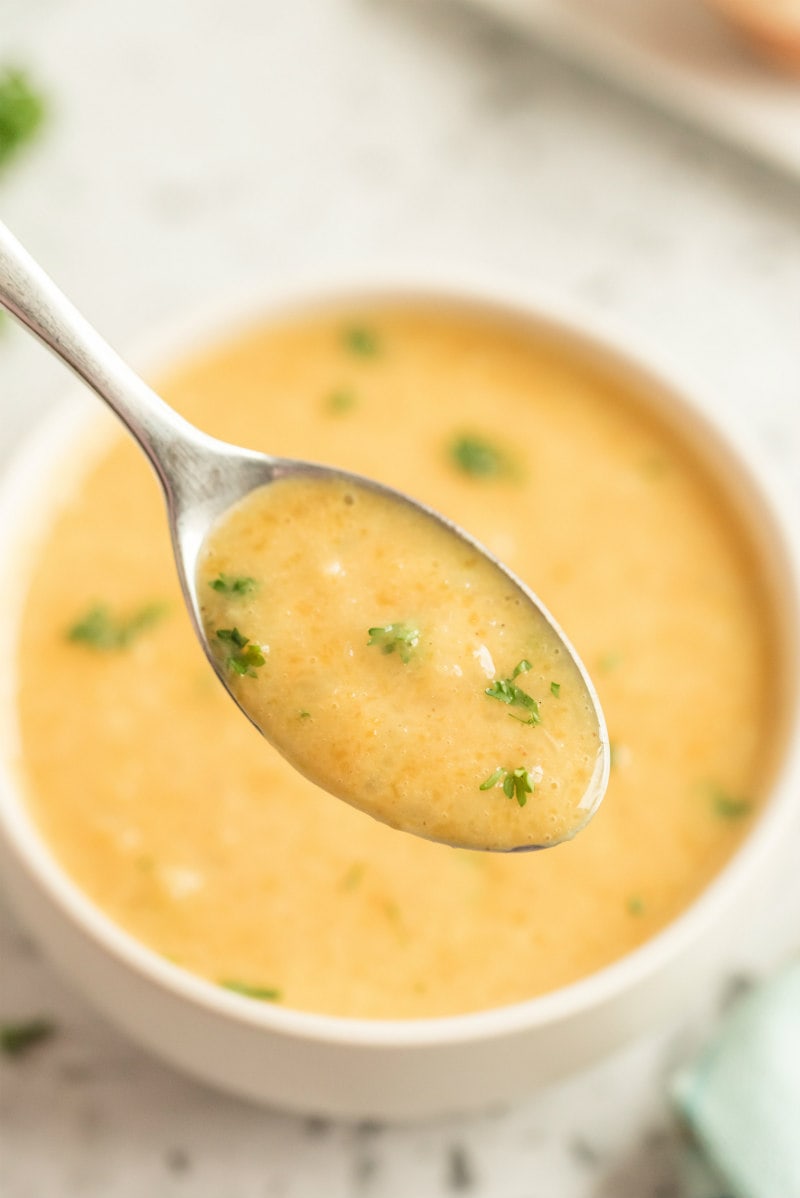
741	1096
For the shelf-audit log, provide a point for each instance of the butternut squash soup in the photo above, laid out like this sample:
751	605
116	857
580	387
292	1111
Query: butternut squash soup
374	708
176	817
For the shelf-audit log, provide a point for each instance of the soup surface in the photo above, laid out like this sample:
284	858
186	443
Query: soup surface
398	668
171	811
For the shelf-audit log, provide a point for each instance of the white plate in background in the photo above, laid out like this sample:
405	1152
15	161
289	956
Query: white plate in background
681	55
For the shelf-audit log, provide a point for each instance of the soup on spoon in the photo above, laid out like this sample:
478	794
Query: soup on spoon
397	667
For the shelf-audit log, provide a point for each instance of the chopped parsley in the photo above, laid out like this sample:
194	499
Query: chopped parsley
361	340
98	629
341	401
635	905
305	715
21	112
262	993
479	458
507	691
730	807
246	657
555	688
226	584
517	783
399	637
18	1038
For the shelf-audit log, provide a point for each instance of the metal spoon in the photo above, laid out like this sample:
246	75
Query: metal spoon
203	477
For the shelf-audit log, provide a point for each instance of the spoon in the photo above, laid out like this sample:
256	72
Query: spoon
206	481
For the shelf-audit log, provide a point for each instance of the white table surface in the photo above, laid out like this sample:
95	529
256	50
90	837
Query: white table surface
681	54
197	148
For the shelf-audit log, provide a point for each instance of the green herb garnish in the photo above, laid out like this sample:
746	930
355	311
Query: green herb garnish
506	691
729	807
361	340
635	905
247	658
479	458
305	715
226	584
555	688
517	782
17	1038
341	401
262	993
21	112
400	638
232	636
100	630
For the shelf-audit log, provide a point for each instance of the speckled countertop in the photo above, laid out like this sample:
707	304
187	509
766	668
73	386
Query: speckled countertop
196	149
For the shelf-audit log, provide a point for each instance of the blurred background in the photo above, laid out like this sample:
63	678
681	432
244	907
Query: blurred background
642	161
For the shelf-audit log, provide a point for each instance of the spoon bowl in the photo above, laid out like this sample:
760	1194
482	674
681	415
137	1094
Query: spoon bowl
206	482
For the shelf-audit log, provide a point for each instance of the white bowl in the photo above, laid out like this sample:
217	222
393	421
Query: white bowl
403	1069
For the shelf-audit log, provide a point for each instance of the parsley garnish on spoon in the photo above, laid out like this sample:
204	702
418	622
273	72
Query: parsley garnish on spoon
246	658
506	691
519	782
224	584
402	638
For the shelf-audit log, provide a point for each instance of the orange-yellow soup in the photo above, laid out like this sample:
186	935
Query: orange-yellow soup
170	810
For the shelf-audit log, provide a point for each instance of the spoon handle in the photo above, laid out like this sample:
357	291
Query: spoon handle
173	446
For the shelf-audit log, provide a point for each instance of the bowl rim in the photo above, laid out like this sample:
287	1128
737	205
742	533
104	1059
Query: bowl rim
618	348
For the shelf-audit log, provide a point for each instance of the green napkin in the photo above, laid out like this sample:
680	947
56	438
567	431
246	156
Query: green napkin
741	1096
